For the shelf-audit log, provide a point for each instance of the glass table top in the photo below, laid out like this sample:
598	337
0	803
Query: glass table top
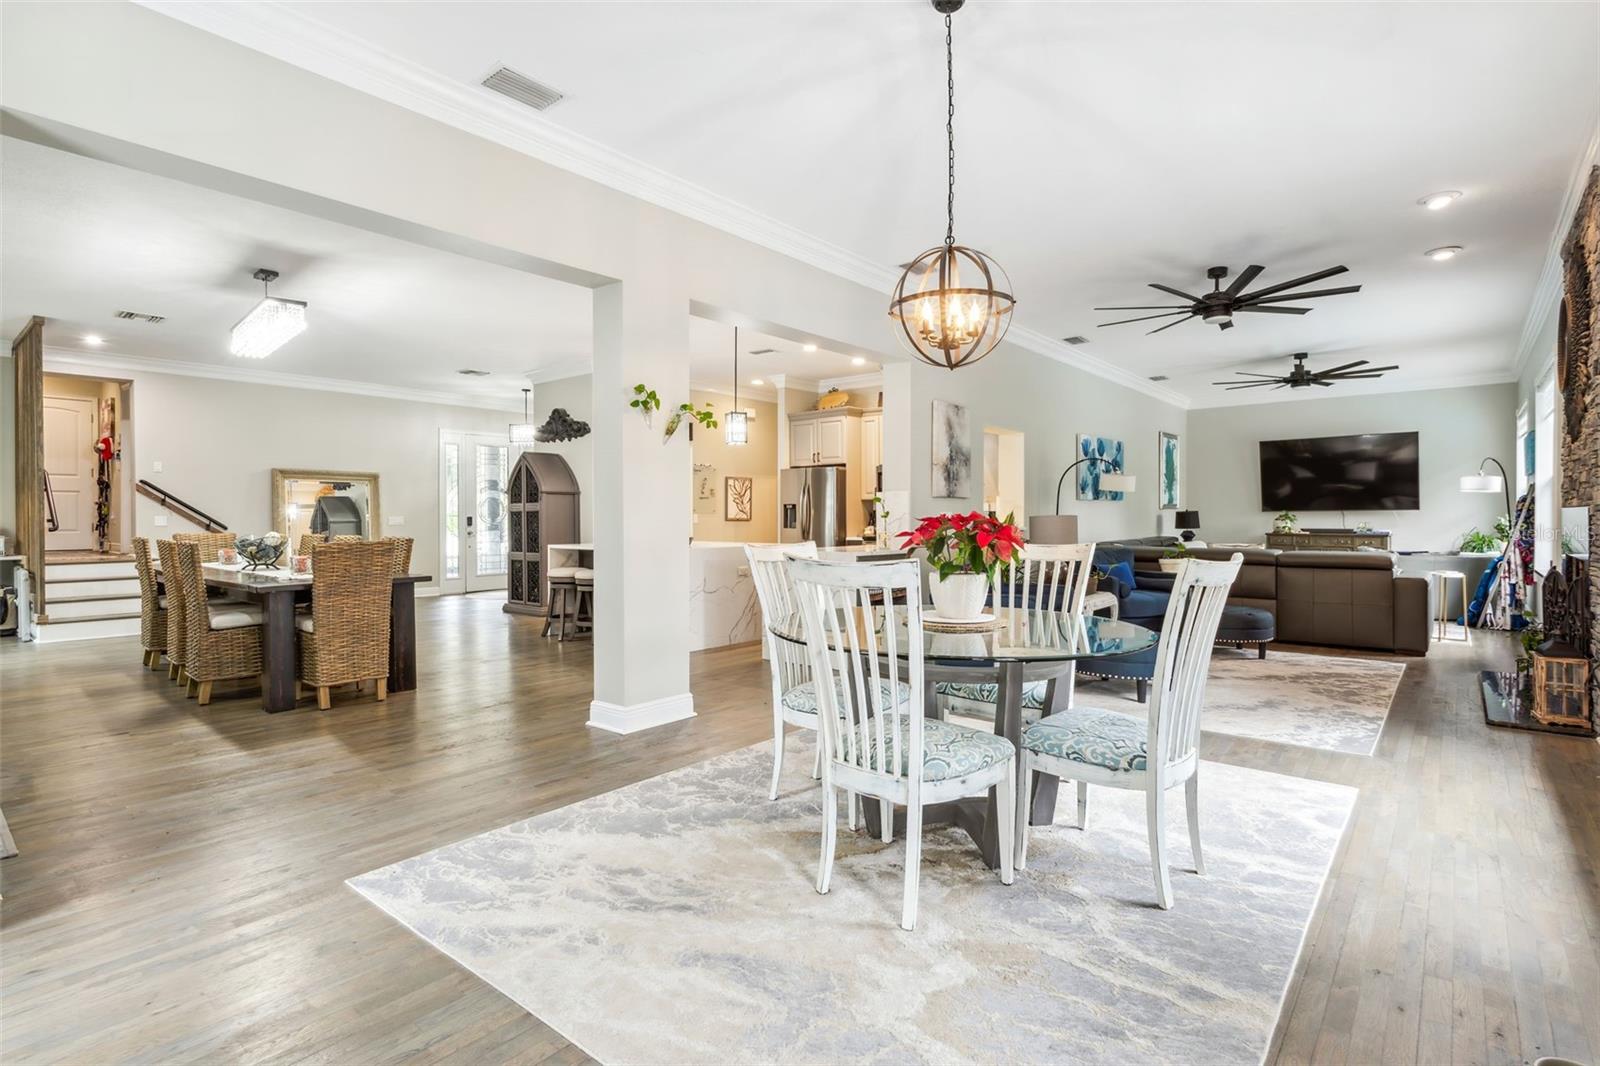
1025	635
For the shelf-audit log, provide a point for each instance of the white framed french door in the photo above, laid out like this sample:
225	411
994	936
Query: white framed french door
473	471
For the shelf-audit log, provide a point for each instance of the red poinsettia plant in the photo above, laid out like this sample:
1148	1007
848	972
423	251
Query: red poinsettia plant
965	543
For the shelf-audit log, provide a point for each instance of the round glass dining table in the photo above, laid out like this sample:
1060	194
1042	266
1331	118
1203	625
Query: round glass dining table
1027	646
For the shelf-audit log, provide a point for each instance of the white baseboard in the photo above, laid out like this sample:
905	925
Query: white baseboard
617	718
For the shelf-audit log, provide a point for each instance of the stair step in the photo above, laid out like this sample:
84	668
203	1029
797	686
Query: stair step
92	607
63	591
87	629
88	571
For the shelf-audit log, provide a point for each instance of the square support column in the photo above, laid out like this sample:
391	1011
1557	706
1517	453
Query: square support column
641	511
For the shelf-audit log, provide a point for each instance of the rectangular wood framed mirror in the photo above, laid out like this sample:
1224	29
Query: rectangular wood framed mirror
325	503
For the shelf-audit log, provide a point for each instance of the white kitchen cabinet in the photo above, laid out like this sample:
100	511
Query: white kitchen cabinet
832	440
802	442
871	453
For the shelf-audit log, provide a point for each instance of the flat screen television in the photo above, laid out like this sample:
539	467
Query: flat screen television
1364	472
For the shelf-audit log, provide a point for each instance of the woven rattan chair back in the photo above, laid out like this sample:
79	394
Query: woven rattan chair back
210	545
152	619
309	542
351	584
214	654
177	633
402	554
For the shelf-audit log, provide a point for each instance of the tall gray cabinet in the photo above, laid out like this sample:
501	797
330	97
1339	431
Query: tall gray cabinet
542	508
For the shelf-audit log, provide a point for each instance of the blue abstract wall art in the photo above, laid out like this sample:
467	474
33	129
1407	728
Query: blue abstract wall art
1089	473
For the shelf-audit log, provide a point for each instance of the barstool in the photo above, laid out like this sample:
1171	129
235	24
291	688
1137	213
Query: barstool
1440	580
583	613
563	598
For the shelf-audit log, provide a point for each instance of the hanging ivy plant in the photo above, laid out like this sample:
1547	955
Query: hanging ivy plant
705	416
645	401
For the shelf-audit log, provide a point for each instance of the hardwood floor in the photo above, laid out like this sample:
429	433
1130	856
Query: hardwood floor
179	894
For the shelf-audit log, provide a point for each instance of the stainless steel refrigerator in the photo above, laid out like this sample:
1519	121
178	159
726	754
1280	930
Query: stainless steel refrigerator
811	501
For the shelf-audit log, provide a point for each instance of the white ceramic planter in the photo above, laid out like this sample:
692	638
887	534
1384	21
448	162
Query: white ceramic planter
960	597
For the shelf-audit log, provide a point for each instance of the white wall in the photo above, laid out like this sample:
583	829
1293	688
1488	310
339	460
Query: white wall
575	395
218	442
8	449
1456	429
1050	404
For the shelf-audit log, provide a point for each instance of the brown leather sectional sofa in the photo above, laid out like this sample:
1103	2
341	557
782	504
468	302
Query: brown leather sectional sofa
1343	599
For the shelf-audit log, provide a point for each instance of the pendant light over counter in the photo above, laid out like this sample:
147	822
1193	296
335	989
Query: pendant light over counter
952	303
270	325
524	433
736	423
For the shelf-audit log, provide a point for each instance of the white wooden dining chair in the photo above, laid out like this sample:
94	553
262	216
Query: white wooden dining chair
873	743
793	695
1041	576
1153	753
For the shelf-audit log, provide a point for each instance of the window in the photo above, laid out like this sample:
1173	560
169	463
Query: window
1547	509
452	510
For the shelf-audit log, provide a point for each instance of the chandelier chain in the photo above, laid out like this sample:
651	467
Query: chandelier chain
950	133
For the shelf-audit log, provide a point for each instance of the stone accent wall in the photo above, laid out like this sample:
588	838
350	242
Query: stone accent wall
1580	400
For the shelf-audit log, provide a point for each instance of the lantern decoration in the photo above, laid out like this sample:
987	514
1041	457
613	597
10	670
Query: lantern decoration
1560	685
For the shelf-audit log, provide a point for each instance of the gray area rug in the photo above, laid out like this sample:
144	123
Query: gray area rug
675	921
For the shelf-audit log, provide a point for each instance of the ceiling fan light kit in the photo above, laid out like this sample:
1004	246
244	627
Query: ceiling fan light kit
953	303
1220	304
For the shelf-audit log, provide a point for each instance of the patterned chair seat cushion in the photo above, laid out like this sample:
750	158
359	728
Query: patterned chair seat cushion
949	750
1097	738
981	695
803	697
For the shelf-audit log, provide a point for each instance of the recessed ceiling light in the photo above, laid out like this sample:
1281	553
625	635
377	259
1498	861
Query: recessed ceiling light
1439	255
93	340
757	381
1438	201
858	361
808	347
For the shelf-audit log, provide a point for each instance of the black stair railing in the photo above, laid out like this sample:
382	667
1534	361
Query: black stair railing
182	507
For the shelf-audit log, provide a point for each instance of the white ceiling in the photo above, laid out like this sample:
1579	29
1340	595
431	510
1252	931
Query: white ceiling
711	360
1101	146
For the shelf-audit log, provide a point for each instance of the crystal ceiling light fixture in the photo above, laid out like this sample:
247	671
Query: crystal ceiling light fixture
524	433
270	325
944	320
736	424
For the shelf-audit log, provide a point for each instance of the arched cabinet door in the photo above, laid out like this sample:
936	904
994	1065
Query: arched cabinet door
543	506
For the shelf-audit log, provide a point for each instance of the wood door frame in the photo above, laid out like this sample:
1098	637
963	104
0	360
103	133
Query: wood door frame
27	361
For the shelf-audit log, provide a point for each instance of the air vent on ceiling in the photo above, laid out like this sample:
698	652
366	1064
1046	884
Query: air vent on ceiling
469	372
521	88
1076	340
1158	377
139	316
762	351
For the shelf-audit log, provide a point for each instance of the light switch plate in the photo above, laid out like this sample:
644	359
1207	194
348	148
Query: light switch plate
156	467
396	520
161	519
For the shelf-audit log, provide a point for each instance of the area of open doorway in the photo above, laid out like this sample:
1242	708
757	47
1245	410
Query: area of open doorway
1005	472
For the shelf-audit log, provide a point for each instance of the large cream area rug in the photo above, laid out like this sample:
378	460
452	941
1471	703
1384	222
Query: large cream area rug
674	921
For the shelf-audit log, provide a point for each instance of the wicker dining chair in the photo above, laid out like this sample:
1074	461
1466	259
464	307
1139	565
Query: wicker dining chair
177	634
344	639
402	554
308	542
224	638
210	545
152	606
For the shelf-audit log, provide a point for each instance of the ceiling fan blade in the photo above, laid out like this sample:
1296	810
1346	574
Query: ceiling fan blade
1176	292
1145	307
1273	310
1365	371
1351	377
1254	374
1285	385
1282	285
1324	384
1169	325
1146	318
1247	385
1340	369
1299	295
1246	276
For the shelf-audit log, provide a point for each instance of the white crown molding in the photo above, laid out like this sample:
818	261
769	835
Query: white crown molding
302	41
852	382
68	361
789	381
1441	381
566	368
1547	291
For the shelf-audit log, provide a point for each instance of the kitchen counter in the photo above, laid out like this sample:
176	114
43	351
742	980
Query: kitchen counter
723	606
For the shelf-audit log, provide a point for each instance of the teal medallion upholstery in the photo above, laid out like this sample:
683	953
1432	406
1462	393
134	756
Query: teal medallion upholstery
962	696
949	750
803	698
1098	738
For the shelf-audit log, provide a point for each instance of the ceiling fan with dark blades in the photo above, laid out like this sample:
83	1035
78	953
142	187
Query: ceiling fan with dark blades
1220	305
1301	377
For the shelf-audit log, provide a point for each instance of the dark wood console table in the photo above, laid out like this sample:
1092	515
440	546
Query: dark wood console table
1331	540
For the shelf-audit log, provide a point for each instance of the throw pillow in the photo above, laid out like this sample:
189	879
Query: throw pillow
1123	572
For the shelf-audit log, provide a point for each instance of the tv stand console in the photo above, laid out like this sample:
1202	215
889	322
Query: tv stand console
1335	540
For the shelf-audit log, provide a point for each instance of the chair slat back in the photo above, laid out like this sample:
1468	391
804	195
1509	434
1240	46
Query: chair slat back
1042	574
210	545
191	588
149	598
1183	656
177	628
351	586
791	664
864	726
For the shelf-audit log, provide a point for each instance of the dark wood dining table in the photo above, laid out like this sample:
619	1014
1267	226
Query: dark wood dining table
277	595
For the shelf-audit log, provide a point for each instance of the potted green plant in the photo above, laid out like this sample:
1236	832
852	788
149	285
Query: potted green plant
965	551
1476	541
1286	522
1173	556
645	401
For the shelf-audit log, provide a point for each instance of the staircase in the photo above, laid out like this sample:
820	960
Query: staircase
90	599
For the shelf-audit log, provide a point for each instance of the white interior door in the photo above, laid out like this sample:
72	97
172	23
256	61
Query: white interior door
473	471
69	460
